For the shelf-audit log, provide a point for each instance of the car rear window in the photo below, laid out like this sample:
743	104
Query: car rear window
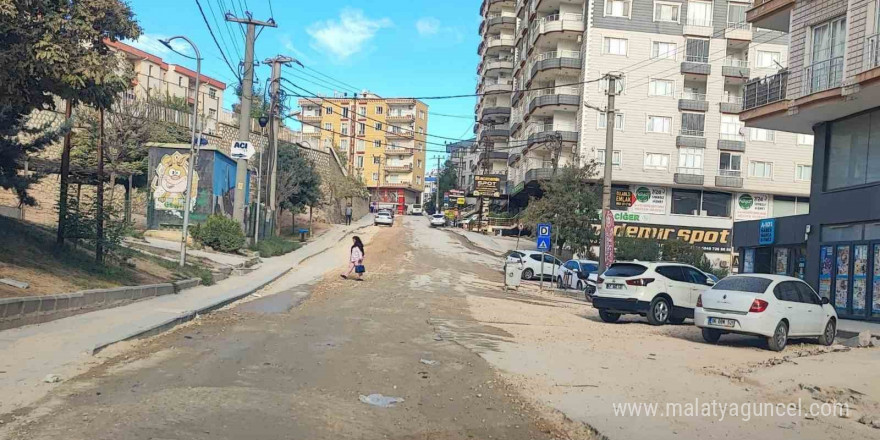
625	270
743	284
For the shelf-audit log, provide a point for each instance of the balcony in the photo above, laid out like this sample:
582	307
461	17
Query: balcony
494	155
823	75
399	117
546	101
406	185
544	133
689	176
538	174
489	5
311	117
698	26
735	68
729	179
399	134
691	101
730	104
767	90
495	86
738	31
771	14
691	138
495	41
494	22
398	151
494	113
696	65
556	23
732	142
556	61
494	64
500	131
405	168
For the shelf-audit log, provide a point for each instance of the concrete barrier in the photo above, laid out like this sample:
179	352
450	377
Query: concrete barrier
17	312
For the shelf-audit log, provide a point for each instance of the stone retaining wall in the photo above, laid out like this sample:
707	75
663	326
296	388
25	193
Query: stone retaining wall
17	312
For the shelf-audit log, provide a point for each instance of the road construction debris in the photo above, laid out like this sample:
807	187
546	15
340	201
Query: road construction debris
380	400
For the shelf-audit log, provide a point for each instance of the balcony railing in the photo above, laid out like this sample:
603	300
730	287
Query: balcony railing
744	25
731	137
692	132
767	90
730	173
702	59
699	21
823	75
872	51
558	54
690	171
695	96
735	62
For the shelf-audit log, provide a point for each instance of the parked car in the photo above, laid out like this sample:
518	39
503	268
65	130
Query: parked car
532	264
416	209
576	273
661	291
775	307
383	218
438	220
390	212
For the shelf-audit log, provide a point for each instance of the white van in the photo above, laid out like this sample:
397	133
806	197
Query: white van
416	209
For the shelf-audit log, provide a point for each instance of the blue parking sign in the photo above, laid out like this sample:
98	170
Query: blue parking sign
543	241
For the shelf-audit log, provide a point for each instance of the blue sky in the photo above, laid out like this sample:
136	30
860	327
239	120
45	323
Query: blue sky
391	47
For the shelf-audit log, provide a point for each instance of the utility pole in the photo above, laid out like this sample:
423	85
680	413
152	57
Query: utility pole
556	138
244	120
437	187
610	119
65	170
274	122
99	199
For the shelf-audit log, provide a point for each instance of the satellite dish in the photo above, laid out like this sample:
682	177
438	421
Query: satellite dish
743	131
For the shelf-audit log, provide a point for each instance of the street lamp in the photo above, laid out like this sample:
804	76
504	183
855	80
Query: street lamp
192	145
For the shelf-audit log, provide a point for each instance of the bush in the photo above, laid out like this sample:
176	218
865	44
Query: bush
274	246
219	233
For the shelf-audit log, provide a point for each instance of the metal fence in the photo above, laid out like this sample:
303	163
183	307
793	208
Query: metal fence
766	90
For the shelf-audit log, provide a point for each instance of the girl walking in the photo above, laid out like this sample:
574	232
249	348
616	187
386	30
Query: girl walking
356	259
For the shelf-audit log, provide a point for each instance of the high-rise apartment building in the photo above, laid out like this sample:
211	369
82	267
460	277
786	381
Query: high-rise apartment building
684	164
383	140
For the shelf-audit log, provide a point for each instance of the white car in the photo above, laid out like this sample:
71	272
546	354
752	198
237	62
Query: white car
416	209
438	220
775	307
576	274
383	218
532	264
661	291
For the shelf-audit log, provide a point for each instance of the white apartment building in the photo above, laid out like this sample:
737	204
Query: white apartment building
684	165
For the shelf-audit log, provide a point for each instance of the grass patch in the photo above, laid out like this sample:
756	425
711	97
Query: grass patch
274	246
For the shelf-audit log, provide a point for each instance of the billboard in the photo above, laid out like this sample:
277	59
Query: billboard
487	186
708	239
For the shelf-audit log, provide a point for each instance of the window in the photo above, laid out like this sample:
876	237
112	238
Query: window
328	110
685	201
180	81
692	124
359	145
422	115
690	160
376	176
418	180
730	164
761	169
716	204
212	92
666	11
805	139
344	129
694	276
661	87
344	112
659	124
615	157
656	161
625	270
619	84
377	144
767	59
617	8
787	205
660	49
697	50
699	14
803	172
760	134
328	126
362	111
377	160
378	126
736	15
362	128
379	110
787	291
730	128
421	130
674	273
212	113
853	151
618	121
743	284
149	71
419	162
359	161
615	46
829	41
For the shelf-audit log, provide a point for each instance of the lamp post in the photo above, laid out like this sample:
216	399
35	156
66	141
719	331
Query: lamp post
192	145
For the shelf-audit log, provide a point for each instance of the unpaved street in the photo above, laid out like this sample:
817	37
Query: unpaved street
432	325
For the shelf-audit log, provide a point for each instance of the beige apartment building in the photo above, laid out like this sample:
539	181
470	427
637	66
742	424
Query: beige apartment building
381	139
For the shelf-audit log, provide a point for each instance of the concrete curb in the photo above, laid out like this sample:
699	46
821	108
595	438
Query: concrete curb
190	315
490	251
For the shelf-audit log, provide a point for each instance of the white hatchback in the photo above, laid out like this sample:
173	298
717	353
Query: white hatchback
532	267
438	220
383	218
775	307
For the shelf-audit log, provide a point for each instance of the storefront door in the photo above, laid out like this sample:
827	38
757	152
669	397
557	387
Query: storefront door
849	275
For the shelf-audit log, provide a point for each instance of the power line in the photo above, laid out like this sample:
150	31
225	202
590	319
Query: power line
220	31
213	37
331	78
271	11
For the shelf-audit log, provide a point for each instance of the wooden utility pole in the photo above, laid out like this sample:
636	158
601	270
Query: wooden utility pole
610	119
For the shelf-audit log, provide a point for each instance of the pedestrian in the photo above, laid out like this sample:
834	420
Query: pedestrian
356	259
348	214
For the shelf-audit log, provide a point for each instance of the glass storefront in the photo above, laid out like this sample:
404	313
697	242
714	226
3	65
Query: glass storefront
849	276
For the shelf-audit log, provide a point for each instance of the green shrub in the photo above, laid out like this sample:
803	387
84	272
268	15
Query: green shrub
274	246
219	233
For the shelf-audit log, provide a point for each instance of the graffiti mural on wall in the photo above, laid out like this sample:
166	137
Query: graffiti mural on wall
169	183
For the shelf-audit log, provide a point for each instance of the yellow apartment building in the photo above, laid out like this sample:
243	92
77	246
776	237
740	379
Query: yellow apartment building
383	140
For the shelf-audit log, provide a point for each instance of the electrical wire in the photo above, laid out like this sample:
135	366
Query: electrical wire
213	37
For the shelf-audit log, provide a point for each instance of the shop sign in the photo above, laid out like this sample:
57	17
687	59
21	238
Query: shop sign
707	239
752	206
626	216
624	198
648	200
487	186
767	231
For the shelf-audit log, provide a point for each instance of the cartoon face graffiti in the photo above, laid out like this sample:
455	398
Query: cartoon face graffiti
169	183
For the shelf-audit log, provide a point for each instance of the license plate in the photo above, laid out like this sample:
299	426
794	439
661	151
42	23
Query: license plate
721	322
614	286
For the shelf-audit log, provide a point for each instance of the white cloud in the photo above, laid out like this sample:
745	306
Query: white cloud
298	54
347	36
150	43
428	26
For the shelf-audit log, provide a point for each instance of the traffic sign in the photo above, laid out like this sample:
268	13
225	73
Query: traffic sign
543	241
242	150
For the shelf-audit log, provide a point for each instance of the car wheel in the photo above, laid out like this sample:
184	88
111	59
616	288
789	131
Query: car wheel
780	337
676	320
711	335
528	274
658	311
608	316
830	332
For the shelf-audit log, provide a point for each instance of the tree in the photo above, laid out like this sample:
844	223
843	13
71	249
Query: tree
633	248
54	49
299	185
684	252
571	204
446	180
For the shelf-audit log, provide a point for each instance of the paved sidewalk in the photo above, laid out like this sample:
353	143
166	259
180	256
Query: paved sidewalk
217	257
496	244
65	347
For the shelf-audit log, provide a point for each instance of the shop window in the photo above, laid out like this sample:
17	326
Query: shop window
860	279
826	257
716	204
831	233
853	152
875	285
782	259
695	202
685	201
784	206
841	278
872	231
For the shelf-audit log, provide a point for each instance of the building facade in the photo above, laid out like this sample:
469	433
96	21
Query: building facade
382	140
829	91
684	164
